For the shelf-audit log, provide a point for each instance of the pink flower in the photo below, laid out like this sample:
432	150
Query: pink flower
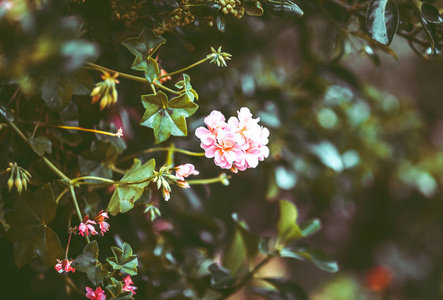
127	287
86	226
98	294
236	145
64	266
183	171
208	136
100	219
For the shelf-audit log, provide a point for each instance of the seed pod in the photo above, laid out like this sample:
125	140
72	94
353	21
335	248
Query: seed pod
10	183
204	8
282	8
18	184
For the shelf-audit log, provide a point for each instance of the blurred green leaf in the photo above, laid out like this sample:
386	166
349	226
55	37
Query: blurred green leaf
250	239
431	13
97	273
69	115
29	231
234	257
82	82
89	259
221	278
186	87
287	228
125	196
283	8
318	257
286	290
310	227
123	259
56	90
265	246
167	117
382	20
6	113
76	53
41	144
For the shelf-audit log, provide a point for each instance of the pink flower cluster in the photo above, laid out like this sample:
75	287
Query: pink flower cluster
98	294
64	266
128	285
237	144
86	227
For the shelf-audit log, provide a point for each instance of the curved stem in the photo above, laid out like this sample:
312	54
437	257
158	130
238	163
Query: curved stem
208	180
77	208
184	69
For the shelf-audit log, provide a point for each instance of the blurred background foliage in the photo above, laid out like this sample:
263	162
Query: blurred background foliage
356	140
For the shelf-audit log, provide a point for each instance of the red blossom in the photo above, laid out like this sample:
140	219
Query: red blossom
64	266
128	285
100	218
85	228
98	294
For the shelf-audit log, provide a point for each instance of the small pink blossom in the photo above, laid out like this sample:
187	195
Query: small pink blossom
64	266
85	228
119	133
183	171
238	144
98	294
128	287
100	219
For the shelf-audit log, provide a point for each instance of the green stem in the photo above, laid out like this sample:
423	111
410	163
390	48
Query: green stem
61	195
75	180
170	155
95	67
206	181
77	208
190	153
184	69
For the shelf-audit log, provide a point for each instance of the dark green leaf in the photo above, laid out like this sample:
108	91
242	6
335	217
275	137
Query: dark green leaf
250	239
123	259
148	65
82	82
88	260
69	115
432	34
97	274
321	259
29	231
310	227
289	289
220	23
382	20
167	117
94	168
267	293
287	228
56	90
125	195
283	8
41	144
234	257
221	278
2	213
118	143
116	290
204	8
431	14
253	8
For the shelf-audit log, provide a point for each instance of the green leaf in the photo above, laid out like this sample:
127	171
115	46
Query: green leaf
431	13
250	240
123	259
97	274
41	144
29	231
310	227
69	115
186	87
88	260
56	90
116	290
382	20
265	246
254	8
167	117
76	52
287	228
125	196
6	113
283	8
2	213
288	289
204	8
320	258
143	47
234	257
82	82
221	278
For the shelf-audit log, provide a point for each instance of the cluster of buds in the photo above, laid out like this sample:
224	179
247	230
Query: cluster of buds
218	57
235	7
19	178
164	178
181	16
152	211
86	227
125	10
105	91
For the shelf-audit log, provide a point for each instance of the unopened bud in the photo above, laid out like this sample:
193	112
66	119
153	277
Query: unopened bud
10	183
18	185
182	184
224	179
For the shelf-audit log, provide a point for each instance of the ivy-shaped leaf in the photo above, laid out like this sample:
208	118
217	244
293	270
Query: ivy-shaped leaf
287	227
382	20
41	144
123	259
283	8
116	290
2	213
89	264
143	47
29	231
318	257
125	196
167	117
186	87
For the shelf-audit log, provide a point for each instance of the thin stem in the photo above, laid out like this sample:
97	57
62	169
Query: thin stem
61	195
184	69
190	153
207	181
170	155
85	129
76	180
67	246
77	208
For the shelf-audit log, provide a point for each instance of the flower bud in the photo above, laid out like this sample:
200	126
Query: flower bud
18	184
10	183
